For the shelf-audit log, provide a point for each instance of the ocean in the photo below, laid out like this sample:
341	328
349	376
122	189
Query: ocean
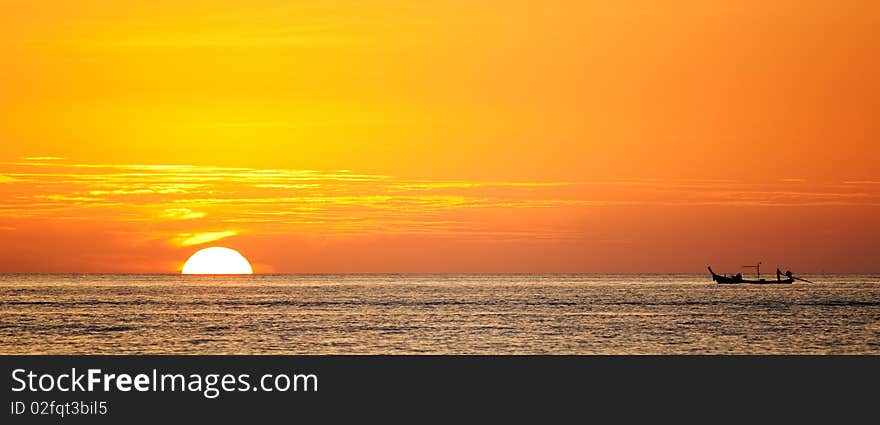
435	314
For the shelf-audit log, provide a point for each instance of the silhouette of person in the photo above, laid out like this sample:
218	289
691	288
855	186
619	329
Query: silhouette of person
778	275
788	274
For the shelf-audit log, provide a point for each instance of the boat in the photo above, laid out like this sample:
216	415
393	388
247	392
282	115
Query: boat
737	278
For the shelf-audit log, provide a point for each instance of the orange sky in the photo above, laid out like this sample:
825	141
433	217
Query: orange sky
399	136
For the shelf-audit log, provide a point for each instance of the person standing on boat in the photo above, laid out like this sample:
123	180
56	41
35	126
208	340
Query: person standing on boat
778	275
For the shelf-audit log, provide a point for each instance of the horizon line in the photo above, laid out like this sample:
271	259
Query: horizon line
409	274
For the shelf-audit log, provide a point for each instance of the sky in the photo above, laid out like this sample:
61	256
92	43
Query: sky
452	136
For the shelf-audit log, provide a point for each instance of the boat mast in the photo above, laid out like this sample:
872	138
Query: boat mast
757	267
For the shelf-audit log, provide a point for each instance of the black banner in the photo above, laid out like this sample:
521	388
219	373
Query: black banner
233	389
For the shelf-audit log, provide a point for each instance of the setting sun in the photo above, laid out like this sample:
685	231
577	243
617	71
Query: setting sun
217	260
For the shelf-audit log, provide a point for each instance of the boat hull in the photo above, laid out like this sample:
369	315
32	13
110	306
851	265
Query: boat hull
754	282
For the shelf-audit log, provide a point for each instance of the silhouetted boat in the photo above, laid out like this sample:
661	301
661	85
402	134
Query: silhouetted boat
739	279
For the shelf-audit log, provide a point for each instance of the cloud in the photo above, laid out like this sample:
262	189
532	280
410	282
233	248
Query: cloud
121	192
433	185
67	198
189	239
346	203
181	214
43	158
287	186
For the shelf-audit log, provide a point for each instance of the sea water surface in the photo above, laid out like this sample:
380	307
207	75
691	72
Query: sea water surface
436	314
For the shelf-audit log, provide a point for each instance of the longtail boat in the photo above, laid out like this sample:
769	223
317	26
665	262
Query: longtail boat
737	278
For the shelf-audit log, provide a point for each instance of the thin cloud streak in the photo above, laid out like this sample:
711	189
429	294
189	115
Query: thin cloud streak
344	203
190	239
181	214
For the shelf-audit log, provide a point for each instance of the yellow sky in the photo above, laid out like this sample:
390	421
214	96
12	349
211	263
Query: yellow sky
344	136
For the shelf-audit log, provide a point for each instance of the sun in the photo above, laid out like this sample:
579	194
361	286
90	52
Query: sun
217	260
